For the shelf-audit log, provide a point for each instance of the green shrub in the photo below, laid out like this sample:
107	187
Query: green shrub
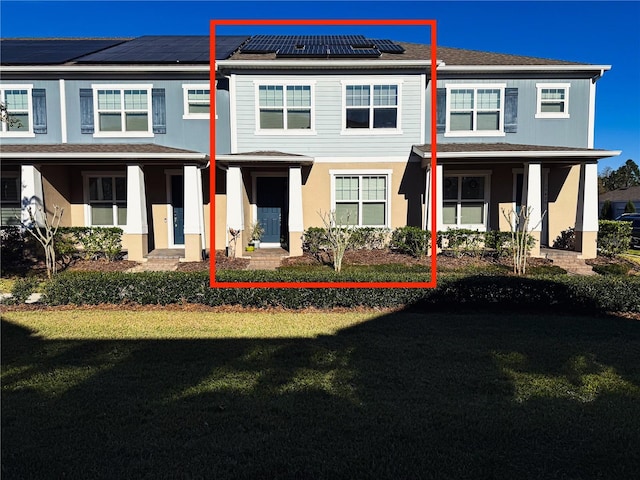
498	241
566	240
461	241
612	269
22	288
369	238
607	211
91	242
563	293
18	250
614	237
411	241
629	207
315	242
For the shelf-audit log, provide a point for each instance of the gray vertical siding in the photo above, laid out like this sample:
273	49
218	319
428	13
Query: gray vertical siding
572	132
223	123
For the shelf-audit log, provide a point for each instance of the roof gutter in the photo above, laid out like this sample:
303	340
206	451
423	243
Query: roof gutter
525	68
522	154
200	157
322	63
204	68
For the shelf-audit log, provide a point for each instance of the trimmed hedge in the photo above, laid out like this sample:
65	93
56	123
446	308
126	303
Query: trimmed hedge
608	293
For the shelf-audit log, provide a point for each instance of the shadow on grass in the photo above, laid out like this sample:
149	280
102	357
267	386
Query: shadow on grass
405	395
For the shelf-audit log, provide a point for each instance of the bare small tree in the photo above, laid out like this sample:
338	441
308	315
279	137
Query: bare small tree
339	234
7	118
45	233
234	239
521	238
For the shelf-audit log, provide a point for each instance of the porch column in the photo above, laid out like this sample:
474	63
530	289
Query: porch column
587	214
235	210
533	185
296	224
136	232
428	214
31	195
193	226
439	196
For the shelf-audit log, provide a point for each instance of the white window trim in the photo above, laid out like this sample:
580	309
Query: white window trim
284	84
364	173
87	203
487	196
370	82
185	94
122	86
13	134
540	113
475	87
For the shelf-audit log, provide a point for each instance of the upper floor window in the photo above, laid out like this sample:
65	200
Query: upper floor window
122	110
371	106
475	110
361	199
552	100
196	101
465	201
285	108
17	118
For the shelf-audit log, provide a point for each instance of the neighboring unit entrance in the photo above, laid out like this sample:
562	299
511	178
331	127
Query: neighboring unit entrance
272	208
177	206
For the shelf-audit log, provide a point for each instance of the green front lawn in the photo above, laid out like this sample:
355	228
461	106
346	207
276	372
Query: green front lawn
92	393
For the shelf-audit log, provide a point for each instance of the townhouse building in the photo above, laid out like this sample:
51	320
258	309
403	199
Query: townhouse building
116	131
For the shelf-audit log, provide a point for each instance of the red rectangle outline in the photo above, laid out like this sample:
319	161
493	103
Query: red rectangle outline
212	169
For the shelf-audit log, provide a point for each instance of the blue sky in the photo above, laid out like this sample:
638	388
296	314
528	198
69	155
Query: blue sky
589	32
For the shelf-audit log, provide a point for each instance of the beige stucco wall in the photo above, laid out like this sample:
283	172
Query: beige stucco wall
564	184
406	192
56	188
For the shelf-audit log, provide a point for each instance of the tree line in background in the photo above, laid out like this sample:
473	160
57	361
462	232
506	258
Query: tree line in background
628	175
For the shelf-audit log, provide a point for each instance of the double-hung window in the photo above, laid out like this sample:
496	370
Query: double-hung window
552	100
17	119
122	111
465	201
371	106
361	199
10	198
107	199
285	109
475	110
196	101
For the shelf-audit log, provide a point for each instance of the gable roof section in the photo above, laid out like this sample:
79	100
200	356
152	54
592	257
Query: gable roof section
622	195
194	49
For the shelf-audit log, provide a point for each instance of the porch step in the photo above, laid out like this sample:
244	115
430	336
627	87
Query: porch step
156	265
569	261
265	258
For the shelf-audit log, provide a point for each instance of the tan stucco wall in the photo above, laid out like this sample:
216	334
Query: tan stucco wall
406	192
221	209
563	199
56	186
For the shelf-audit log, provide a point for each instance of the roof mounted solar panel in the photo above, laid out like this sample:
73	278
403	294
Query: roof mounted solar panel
349	51
50	52
387	46
305	51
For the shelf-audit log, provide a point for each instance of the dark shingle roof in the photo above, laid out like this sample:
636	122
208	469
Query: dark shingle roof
92	148
159	49
622	195
499	147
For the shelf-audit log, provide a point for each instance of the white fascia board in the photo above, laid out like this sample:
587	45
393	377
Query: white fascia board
524	68
264	158
117	155
349	64
204	68
523	154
